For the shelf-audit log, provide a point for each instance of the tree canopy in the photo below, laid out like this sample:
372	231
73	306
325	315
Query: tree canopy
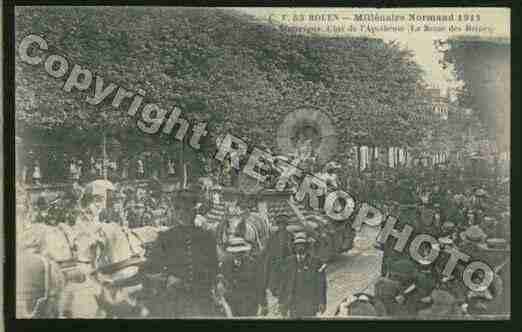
483	65
241	75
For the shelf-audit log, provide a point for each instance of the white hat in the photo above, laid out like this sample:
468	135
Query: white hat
281	158
480	192
332	165
300	238
98	187
446	240
237	244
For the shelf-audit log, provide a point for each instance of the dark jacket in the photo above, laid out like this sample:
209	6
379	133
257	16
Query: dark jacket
304	286
187	253
245	285
278	249
189	256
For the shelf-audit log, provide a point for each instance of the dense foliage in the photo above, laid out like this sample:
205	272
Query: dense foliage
483	65
240	75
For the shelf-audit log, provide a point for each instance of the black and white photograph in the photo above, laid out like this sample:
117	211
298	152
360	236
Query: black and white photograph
267	163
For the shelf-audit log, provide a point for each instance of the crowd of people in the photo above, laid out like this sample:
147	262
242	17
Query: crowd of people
466	214
127	206
470	214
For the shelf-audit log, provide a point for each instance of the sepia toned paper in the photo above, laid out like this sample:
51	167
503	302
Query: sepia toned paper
263	163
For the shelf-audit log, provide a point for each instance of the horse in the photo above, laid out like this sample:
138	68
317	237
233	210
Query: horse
60	256
251	226
39	286
118	262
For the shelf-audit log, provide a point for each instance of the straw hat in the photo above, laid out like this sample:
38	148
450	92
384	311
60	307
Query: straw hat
445	241
473	234
237	244
300	237
480	192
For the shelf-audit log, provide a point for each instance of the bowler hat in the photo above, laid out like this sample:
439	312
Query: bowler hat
138	205
300	238
294	228
473	234
488	219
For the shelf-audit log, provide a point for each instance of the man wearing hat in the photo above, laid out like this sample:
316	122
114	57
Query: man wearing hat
455	213
243	277
69	203
443	305
156	205
303	291
329	175
493	228
130	209
471	238
488	301
436	196
481	197
184	258
425	276
114	211
278	249
137	215
93	201
42	210
404	272
407	213
454	283
470	220
426	223
448	229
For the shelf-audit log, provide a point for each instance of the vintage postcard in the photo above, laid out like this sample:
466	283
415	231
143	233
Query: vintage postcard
262	163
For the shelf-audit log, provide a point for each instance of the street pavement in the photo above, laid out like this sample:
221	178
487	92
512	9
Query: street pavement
349	273
355	271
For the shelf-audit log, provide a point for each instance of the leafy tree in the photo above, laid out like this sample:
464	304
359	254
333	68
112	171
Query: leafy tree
483	65
240	75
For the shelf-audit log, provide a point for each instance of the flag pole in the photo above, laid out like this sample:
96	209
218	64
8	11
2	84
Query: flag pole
104	155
